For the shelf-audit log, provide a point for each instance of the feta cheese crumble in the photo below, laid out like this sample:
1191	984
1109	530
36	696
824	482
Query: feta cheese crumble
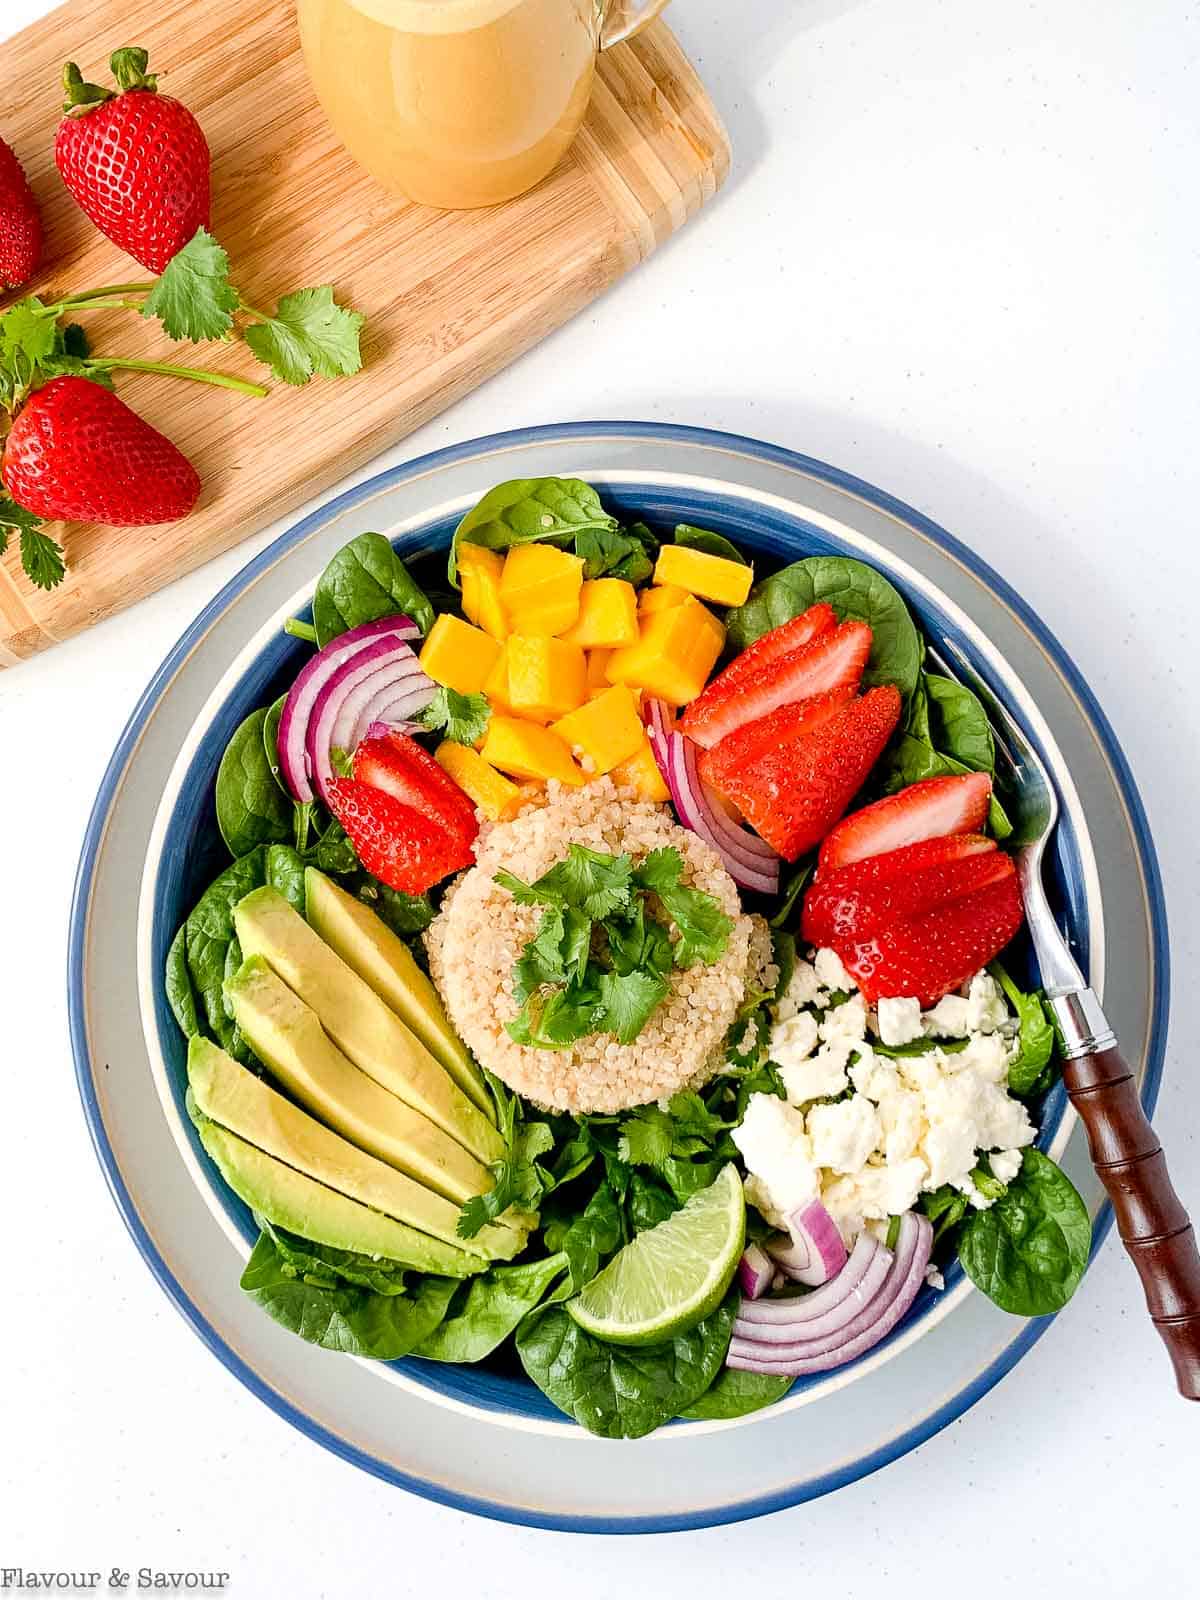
867	1133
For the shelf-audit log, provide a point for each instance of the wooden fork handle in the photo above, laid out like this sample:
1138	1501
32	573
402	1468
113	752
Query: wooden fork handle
1151	1220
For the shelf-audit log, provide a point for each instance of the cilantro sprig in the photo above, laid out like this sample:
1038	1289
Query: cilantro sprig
600	959
462	718
308	334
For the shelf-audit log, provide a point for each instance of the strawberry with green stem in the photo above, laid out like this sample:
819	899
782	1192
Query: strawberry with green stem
193	299
73	450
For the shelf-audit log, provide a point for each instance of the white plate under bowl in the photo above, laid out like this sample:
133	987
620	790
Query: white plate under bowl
487	1450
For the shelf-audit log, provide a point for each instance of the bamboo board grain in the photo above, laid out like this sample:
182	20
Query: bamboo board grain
450	297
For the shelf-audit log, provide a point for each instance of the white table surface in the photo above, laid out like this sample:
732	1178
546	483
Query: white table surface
958	256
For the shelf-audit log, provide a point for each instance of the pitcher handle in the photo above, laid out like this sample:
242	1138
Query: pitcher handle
621	19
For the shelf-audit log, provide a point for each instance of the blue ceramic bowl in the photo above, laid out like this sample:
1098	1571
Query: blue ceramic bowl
190	851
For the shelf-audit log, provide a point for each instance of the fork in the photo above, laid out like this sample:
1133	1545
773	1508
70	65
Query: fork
1128	1158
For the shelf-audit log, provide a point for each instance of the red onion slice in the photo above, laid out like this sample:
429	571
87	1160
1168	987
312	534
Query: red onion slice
385	665
381	729
749	860
396	680
297	709
808	1307
755	1271
814	1253
802	1329
874	1322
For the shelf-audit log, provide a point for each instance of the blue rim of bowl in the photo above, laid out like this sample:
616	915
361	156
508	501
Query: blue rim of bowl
743	1510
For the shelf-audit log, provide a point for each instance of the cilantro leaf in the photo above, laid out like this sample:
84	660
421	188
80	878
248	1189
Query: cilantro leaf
590	880
629	998
555	1021
660	870
518	1180
42	559
594	881
193	298
646	1137
15	519
462	716
638	943
27	336
704	928
309	333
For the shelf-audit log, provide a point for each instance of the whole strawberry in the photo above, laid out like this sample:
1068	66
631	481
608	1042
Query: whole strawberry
136	162
20	223
76	453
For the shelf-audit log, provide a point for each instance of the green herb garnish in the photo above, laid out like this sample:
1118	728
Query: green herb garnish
600	959
459	717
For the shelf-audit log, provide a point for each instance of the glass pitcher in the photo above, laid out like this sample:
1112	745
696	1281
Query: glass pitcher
460	102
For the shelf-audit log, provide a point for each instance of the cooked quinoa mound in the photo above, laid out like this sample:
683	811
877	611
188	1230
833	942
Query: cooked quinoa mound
478	936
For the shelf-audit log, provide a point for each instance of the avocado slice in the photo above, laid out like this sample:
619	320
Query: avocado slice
227	1093
357	1020
382	959
288	1036
291	1200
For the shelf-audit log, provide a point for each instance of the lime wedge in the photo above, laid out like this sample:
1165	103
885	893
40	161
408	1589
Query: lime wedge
670	1277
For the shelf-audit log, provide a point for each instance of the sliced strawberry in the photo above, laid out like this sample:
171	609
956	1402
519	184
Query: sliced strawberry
403	847
779	642
833	659
857	901
768	733
929	956
400	767
793	794
926	810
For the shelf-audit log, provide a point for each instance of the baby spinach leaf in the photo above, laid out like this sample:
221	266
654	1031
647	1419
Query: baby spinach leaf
528	510
609	553
494	1307
958	724
712	544
181	997
405	914
1036	1038
853	589
622	1393
285	872
208	934
737	1394
323	1265
333	851
593	1236
251	807
793	889
648	1202
271	743
1029	1251
354	1320
364	582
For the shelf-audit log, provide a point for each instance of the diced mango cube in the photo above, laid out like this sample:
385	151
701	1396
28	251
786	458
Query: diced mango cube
528	751
607	615
725	582
458	655
496	684
479	571
604	732
641	772
546	677
489	790
675	652
661	597
540	588
597	667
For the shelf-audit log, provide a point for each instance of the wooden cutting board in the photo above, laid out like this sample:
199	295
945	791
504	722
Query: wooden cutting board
449	297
